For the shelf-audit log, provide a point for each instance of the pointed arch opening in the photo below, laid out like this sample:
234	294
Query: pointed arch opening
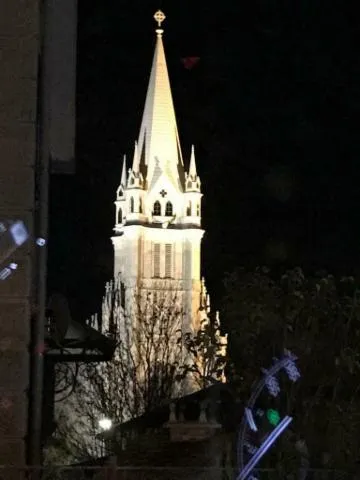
198	210
140	206
188	210
132	205
169	209
120	216
157	208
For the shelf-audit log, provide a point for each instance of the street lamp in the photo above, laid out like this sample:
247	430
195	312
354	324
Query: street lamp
105	423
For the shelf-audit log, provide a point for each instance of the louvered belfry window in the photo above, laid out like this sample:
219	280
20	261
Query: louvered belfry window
168	260
157	208
156	260
168	209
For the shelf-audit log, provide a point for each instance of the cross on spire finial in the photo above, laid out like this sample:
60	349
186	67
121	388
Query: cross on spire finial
159	17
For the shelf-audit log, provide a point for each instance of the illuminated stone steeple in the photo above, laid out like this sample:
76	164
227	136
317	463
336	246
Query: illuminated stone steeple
157	240
159	146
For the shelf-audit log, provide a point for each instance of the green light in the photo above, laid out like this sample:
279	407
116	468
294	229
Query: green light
273	416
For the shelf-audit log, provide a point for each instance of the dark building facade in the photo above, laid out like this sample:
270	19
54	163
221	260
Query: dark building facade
34	99
19	50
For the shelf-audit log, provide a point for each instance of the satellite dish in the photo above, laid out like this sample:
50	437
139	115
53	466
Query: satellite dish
59	316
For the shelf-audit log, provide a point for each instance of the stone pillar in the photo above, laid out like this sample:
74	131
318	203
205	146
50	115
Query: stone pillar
19	27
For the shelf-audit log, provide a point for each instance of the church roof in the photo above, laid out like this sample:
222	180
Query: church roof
158	142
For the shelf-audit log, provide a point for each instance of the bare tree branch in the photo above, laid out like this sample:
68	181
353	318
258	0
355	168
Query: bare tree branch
156	359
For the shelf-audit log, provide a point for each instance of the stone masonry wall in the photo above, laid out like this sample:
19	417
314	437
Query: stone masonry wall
19	33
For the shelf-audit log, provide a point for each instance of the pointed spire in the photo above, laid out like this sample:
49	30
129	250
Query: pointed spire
192	169
158	138
123	173
136	160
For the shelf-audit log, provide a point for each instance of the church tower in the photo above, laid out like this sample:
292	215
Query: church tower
157	233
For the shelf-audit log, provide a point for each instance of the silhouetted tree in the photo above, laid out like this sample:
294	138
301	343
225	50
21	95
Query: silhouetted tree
206	349
318	318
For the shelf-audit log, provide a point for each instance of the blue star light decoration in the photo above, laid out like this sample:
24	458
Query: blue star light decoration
272	385
290	366
292	371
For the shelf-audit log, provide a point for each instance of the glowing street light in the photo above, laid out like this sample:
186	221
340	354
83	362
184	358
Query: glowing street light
105	423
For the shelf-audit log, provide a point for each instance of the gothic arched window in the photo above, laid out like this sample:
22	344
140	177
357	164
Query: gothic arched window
169	209
157	208
188	210
140	206
198	210
132	205
120	216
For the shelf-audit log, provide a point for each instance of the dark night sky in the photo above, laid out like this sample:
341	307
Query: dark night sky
272	108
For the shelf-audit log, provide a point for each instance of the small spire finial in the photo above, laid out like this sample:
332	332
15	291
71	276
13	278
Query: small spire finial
159	18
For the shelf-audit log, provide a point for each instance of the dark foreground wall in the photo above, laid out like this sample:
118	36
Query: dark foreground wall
18	92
